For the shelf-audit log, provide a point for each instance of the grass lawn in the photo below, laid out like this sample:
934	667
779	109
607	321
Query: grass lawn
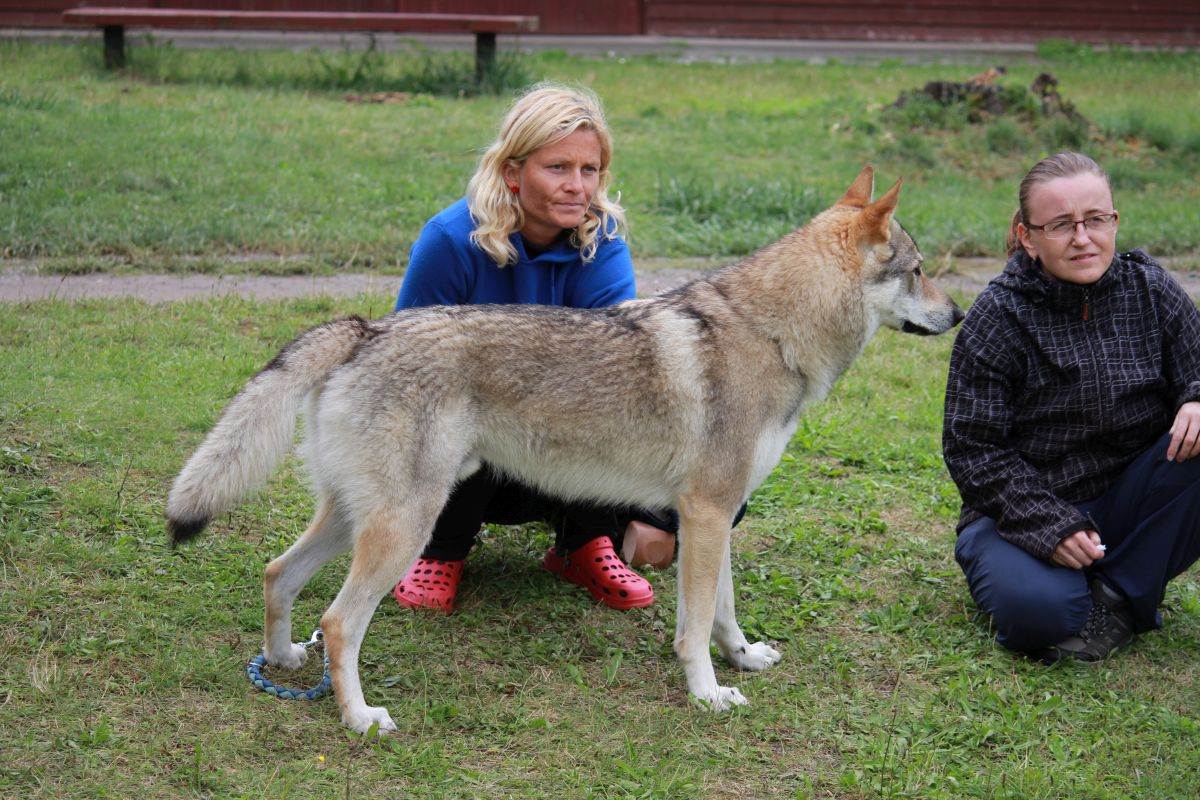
124	660
196	158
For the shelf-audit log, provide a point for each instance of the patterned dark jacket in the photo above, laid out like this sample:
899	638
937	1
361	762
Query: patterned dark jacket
1054	388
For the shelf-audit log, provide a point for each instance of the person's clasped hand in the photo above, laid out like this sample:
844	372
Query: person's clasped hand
1080	549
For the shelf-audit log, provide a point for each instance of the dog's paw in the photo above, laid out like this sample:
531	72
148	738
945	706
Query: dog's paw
753	657
362	721
721	698
293	656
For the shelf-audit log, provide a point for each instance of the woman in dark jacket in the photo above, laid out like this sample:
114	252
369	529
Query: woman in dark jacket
1072	420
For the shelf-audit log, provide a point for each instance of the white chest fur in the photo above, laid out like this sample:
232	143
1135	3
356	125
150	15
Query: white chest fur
768	450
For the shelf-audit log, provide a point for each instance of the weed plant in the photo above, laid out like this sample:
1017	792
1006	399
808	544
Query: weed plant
194	157
124	659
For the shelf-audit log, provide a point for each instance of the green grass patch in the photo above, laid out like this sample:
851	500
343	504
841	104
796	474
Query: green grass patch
202	156
124	659
350	66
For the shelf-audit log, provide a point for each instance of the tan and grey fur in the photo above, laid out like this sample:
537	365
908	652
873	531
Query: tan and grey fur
685	400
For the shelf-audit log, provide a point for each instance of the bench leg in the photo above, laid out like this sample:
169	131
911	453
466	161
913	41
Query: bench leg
114	46
485	54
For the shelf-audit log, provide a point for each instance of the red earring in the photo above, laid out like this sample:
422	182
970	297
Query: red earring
512	187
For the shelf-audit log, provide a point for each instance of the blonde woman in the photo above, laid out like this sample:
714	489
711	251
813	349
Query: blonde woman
536	226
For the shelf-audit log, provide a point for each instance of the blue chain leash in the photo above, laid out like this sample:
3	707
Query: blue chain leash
254	673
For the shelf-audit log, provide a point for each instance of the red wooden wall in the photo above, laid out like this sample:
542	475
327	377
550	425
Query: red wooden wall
1154	22
1158	22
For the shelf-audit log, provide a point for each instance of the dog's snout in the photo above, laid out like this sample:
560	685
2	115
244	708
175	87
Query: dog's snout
936	323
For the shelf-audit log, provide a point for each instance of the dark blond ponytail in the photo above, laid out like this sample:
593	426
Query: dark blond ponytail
1012	243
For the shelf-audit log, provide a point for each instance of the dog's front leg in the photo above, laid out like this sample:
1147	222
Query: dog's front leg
728	634
704	539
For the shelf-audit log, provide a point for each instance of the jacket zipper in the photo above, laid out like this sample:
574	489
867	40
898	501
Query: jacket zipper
1097	366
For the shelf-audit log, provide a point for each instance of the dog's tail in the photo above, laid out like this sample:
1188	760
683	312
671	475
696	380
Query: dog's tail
256	430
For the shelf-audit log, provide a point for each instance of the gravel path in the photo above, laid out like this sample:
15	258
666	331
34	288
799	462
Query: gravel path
18	284
17	287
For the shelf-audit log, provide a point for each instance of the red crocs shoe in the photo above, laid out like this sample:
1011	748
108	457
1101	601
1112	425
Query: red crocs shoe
430	584
597	568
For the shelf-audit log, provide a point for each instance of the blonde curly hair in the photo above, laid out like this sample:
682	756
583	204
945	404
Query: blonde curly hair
543	115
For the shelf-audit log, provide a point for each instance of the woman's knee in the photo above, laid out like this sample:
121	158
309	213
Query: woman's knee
1032	604
1028	616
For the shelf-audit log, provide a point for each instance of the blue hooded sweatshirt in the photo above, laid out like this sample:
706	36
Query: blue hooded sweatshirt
446	268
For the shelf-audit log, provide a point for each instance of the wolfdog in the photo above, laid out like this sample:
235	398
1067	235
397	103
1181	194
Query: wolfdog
685	400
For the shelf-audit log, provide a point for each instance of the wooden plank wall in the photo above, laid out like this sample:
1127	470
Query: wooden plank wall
566	17
1151	22
32	13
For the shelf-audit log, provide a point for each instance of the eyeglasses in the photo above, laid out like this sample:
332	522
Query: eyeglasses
1061	229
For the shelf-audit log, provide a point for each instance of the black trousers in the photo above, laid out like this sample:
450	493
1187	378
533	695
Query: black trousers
488	496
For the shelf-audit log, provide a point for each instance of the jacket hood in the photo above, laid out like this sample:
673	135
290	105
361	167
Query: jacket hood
1025	276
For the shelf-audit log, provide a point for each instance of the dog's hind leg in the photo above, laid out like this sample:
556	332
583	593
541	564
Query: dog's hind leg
728	634
327	536
385	546
704	531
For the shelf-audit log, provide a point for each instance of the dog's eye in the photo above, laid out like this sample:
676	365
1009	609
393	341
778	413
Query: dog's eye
917	271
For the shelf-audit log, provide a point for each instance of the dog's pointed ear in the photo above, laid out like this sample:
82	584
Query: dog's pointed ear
859	193
876	220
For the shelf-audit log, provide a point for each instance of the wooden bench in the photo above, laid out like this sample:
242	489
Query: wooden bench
114	20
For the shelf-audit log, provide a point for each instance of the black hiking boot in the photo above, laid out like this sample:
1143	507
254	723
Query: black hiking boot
1109	626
